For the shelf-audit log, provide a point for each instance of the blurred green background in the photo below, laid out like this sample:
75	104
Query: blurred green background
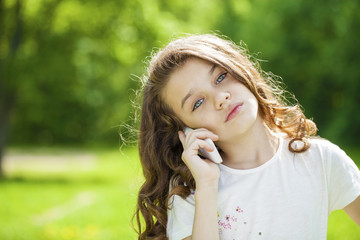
68	73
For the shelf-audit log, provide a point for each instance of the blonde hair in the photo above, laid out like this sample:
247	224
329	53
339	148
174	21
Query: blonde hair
159	147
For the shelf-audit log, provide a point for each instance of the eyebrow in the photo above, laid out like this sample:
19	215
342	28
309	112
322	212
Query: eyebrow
211	71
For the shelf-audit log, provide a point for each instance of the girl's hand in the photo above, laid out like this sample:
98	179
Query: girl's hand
204	171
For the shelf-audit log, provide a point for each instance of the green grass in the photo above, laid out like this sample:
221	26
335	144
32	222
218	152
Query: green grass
340	225
72	204
86	201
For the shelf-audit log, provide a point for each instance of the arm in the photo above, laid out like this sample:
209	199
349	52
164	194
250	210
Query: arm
206	174
205	220
353	210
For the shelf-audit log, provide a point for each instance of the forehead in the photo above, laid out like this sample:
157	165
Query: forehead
185	78
191	66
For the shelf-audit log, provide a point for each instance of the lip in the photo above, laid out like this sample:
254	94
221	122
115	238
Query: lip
233	111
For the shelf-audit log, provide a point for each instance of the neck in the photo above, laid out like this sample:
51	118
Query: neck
250	149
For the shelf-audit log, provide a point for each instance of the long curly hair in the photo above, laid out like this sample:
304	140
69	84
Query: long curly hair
159	145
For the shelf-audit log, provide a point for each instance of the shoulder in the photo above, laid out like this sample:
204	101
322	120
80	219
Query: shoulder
341	173
323	148
180	214
318	142
327	149
179	202
324	154
336	162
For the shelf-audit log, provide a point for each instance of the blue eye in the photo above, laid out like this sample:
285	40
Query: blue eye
220	78
198	103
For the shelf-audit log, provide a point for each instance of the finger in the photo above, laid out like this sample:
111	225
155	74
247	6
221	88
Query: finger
206	146
182	137
200	143
202	133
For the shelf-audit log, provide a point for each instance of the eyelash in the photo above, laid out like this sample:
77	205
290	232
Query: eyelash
221	77
218	80
198	103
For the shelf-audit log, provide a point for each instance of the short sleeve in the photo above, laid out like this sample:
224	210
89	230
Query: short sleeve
180	217
343	179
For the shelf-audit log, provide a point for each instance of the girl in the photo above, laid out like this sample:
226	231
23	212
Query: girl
276	181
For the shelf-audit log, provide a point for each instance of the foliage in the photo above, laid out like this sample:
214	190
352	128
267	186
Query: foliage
312	46
77	61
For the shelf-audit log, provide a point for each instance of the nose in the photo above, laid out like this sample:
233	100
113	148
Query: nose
222	100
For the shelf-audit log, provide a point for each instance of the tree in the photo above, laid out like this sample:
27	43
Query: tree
67	67
7	63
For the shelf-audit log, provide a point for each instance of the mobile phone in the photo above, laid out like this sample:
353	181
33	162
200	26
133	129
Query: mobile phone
214	155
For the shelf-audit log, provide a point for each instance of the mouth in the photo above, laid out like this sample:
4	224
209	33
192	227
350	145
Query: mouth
234	110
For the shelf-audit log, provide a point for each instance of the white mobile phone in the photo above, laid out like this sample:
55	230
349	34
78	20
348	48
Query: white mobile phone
214	155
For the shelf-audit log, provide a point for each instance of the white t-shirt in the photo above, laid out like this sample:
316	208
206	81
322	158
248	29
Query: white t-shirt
288	197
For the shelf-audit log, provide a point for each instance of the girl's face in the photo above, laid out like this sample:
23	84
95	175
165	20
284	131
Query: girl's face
204	95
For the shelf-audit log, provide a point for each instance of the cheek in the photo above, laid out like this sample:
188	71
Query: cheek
203	121
252	104
254	107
